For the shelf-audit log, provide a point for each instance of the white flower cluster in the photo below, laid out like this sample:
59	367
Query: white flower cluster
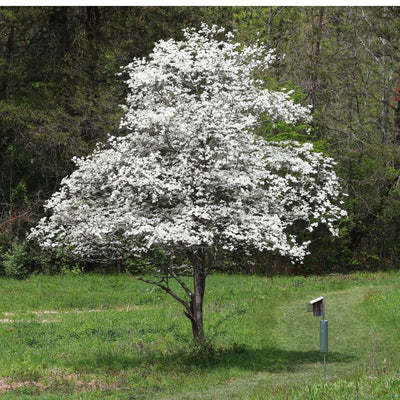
190	172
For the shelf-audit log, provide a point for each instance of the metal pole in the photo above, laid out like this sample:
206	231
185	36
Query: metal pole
324	342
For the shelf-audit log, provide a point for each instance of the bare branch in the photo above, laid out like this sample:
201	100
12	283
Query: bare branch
167	290
184	286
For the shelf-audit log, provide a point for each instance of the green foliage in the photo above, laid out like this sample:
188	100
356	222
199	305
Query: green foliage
17	263
282	131
19	193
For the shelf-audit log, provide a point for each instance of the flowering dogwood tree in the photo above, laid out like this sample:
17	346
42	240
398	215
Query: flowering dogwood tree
190	180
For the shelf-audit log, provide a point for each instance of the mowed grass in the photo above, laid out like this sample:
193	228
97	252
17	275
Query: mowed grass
94	336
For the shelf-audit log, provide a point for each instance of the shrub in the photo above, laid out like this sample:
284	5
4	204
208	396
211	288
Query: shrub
17	261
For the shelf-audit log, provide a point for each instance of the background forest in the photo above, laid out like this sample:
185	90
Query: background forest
61	91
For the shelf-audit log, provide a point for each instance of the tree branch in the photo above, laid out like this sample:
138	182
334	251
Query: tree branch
184	286
169	291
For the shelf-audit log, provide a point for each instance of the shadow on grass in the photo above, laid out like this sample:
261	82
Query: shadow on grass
271	359
276	360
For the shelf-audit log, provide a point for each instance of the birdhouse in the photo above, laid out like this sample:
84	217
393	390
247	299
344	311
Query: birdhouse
317	307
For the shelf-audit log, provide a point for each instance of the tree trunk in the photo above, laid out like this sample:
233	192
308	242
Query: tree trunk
195	310
315	55
196	304
7	62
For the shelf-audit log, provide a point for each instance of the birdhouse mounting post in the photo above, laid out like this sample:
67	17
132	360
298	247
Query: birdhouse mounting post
318	309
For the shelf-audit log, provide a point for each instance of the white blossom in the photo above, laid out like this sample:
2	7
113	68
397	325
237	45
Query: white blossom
190	172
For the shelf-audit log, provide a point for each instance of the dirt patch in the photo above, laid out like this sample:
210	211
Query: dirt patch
95	310
7	384
74	382
53	312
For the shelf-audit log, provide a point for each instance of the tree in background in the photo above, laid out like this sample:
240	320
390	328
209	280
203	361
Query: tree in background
191	183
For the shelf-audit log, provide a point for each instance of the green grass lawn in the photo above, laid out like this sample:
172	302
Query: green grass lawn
93	337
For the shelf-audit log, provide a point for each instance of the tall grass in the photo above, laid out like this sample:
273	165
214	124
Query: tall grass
93	336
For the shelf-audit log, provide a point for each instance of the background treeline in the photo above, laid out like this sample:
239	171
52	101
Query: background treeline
60	91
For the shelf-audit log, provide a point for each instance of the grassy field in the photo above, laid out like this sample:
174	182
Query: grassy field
113	337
